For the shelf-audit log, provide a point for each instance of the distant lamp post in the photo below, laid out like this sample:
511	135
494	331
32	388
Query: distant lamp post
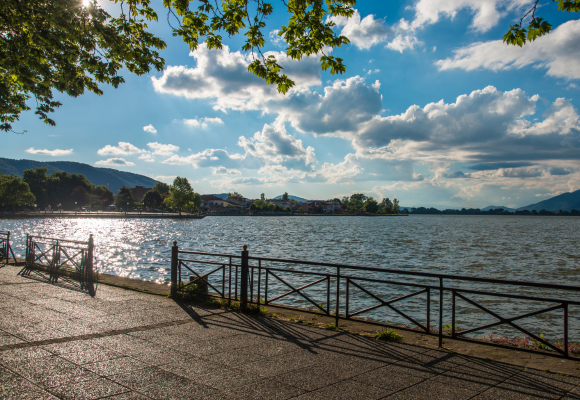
127	209
75	208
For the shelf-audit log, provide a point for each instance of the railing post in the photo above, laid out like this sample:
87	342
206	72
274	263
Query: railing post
440	312
174	258
566	345
89	266
244	279
337	296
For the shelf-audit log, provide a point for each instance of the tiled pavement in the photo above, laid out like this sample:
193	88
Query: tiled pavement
60	343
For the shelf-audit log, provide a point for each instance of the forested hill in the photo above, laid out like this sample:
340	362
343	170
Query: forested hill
112	178
564	202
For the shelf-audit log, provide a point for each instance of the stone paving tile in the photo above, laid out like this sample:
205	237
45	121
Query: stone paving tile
272	366
23	355
235	357
536	384
225	378
91	355
52	372
6	339
115	366
14	387
191	366
263	389
574	394
159	384
129	396
434	391
89	390
346	390
386	378
317	376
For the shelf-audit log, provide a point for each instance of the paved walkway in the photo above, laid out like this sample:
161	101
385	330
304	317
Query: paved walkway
60	343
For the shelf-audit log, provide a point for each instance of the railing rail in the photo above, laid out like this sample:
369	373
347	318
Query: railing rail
61	259
5	248
253	278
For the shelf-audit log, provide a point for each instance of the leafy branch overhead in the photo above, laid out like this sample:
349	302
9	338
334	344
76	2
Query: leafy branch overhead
537	26
75	45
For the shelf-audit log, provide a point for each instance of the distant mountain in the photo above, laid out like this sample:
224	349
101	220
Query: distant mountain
564	202
112	178
298	199
496	207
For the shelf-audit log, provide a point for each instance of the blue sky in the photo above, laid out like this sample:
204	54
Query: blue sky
433	110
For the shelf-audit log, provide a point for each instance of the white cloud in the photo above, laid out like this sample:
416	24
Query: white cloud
149	128
558	52
207	158
53	153
163	149
274	145
224	77
124	148
147	157
363	33
486	13
401	43
203	122
342	108
276	40
165	178
342	171
225	171
115	162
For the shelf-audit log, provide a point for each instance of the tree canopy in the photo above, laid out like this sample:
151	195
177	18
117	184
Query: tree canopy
519	34
14	192
182	196
75	45
161	187
124	200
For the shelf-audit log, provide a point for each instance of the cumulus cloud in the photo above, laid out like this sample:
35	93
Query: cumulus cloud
560	171
223	76
52	153
558	52
486	13
342	171
225	171
363	33
207	158
165	178
115	162
123	149
203	122
489	131
163	149
403	42
344	105
149	128
274	145
147	157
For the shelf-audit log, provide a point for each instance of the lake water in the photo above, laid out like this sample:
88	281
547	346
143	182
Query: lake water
537	249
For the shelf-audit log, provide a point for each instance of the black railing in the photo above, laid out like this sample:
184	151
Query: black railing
68	260
5	248
270	281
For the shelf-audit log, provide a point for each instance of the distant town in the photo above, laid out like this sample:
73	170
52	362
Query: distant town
37	190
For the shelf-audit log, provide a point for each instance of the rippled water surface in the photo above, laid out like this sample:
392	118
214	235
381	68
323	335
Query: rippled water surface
539	249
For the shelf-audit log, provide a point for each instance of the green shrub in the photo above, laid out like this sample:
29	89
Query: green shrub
388	335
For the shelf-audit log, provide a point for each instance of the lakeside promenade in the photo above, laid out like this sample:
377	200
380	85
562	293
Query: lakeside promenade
122	344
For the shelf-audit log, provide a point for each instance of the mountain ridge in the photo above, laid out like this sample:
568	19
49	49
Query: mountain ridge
110	177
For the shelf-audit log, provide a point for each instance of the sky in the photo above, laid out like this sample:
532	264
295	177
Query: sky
433	110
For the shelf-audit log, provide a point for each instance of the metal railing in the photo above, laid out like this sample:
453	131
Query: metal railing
254	279
61	259
5	248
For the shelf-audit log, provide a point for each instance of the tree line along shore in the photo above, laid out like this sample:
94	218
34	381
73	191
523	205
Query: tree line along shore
61	191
